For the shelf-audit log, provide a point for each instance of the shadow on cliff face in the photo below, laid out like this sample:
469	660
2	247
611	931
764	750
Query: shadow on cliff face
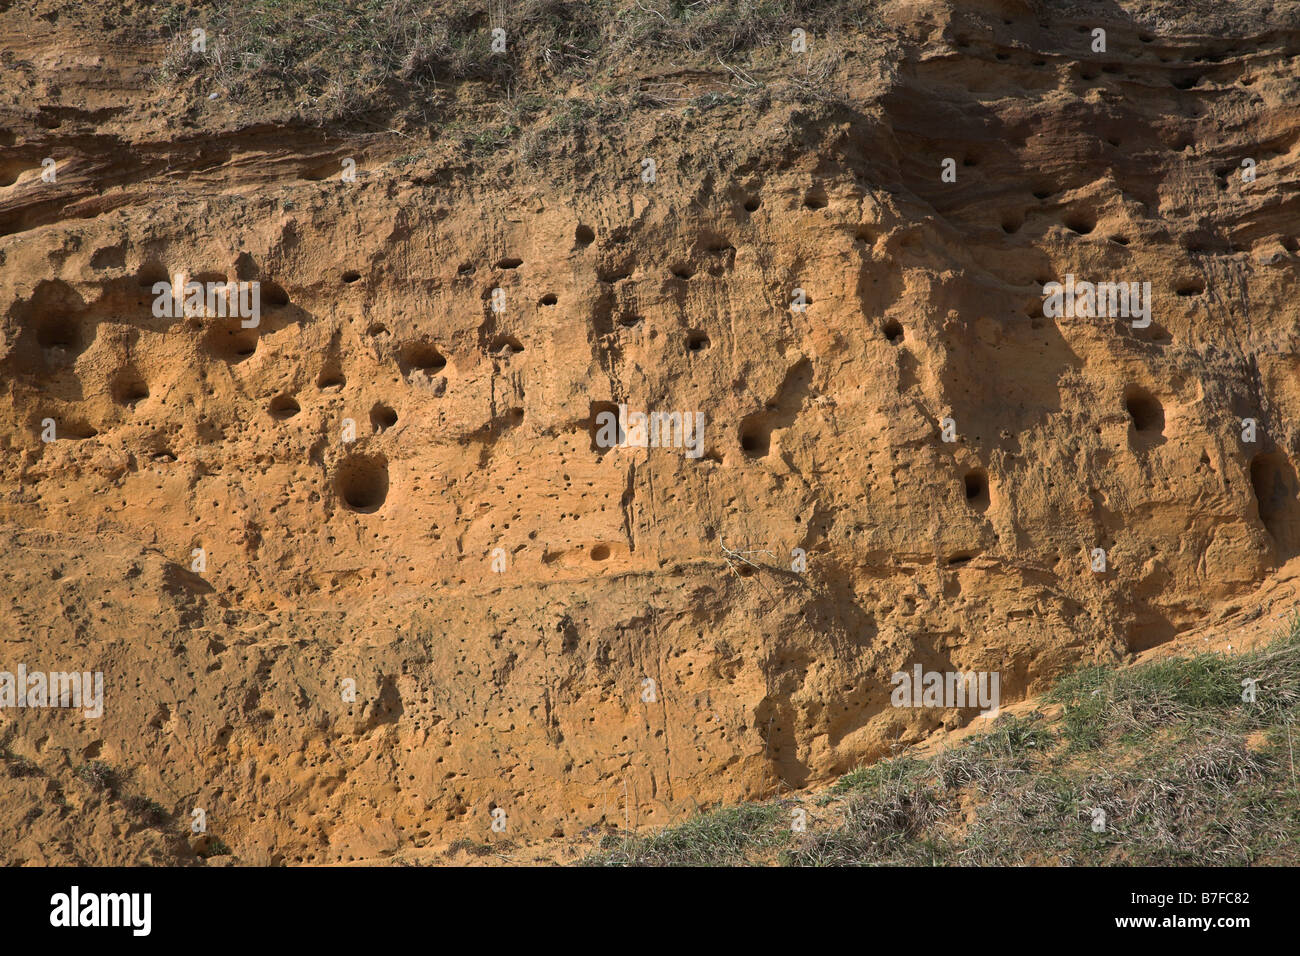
756	429
1273	478
50	330
832	611
775	721
387	707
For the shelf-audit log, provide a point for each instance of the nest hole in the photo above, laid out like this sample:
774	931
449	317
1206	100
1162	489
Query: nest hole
362	482
382	417
1145	410
975	485
283	407
422	356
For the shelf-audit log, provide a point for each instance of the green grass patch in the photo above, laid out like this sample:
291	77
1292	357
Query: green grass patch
726	836
1103	704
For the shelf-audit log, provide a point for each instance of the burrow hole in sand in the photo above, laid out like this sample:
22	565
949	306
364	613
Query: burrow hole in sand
283	407
421	356
1145	410
976	487
382	417
362	482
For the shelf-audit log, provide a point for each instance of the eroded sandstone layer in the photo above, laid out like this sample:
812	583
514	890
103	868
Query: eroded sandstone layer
498	586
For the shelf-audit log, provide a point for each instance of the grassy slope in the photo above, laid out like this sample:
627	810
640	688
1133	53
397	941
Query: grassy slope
1184	770
428	67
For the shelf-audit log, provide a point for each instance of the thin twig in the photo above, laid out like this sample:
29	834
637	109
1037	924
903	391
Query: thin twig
1290	748
739	74
650	10
740	555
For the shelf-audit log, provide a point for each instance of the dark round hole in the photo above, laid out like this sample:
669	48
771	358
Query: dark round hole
423	356
382	417
584	235
350	276
1145	409
362	482
696	342
283	407
1080	223
976	487
893	331
274	295
754	440
506	345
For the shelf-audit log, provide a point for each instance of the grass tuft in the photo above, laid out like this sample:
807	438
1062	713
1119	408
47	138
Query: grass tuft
726	836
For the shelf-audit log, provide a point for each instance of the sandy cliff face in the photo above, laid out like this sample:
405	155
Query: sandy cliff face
498	586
